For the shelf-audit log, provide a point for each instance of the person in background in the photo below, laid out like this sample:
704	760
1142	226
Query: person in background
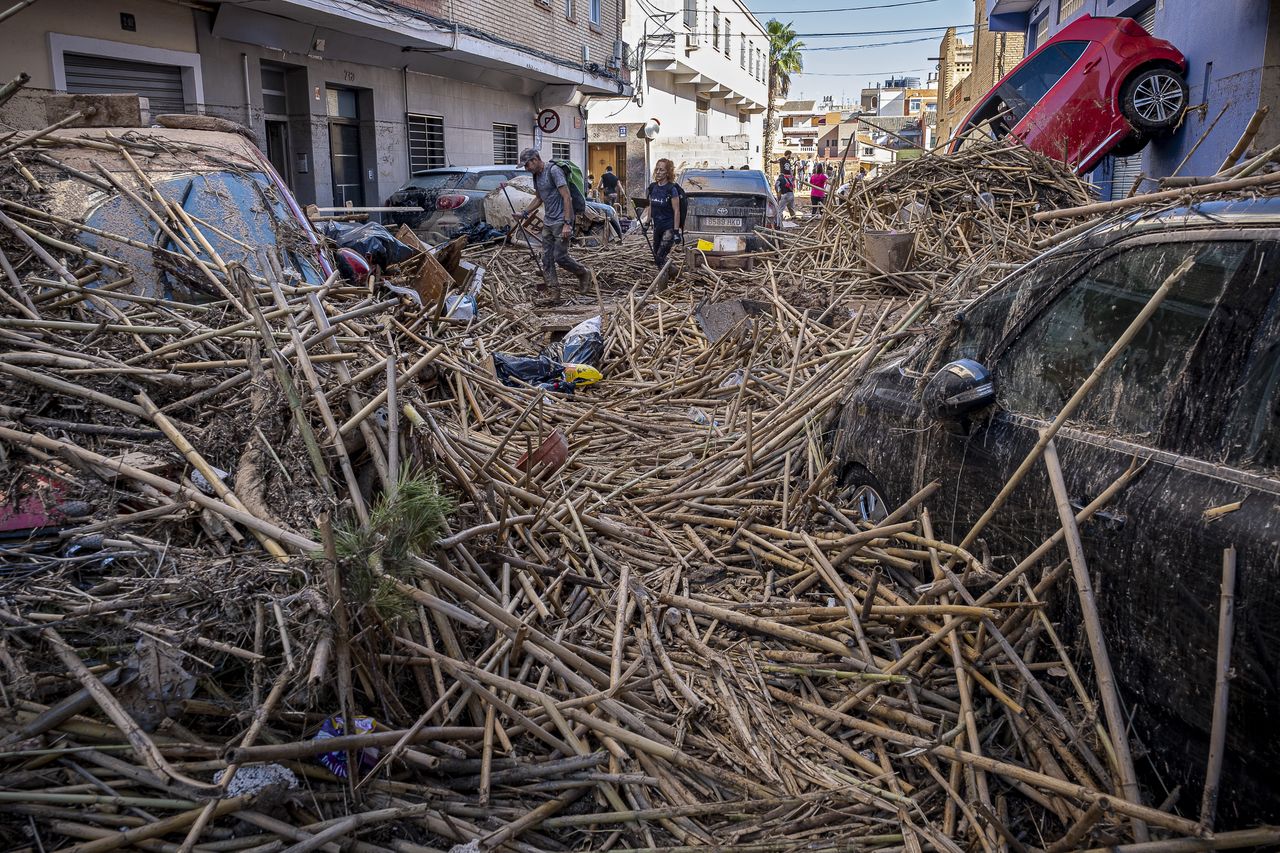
818	187
609	186
666	200
553	197
591	186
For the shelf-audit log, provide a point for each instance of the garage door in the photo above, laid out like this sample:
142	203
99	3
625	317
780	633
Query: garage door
1124	171
1147	18
162	84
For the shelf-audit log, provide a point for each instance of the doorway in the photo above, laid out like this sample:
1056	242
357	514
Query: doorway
600	155
345	156
277	133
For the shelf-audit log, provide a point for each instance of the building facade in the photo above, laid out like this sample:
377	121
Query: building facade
347	98
699	85
1233	51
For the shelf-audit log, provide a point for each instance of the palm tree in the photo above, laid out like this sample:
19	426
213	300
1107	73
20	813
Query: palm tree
784	60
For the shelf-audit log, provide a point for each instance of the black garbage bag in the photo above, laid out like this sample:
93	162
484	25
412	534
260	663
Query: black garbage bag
534	370
371	240
480	232
583	344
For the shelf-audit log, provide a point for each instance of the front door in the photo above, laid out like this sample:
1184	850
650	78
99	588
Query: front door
278	148
345	156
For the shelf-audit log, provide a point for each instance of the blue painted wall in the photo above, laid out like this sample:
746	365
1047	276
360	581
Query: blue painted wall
1225	45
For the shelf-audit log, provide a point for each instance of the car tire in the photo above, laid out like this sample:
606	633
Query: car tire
862	495
1153	100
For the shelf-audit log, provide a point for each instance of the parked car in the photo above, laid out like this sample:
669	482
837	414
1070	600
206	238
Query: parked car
452	200
729	203
220	179
1194	399
1099	86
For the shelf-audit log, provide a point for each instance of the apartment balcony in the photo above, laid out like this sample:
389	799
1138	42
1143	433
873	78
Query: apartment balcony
693	61
361	33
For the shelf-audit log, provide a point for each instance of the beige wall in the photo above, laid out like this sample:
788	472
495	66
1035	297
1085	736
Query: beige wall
26	35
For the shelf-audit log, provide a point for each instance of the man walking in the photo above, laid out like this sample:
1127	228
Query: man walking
609	184
557	225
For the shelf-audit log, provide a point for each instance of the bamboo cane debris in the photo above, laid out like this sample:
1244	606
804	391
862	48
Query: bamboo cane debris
676	639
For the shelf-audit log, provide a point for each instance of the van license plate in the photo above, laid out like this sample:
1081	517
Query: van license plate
722	222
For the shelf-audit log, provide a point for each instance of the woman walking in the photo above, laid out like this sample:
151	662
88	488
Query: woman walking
818	187
666	200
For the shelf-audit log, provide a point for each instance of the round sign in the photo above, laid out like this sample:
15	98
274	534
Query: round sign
549	121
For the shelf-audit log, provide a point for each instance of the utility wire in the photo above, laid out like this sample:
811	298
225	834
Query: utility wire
845	9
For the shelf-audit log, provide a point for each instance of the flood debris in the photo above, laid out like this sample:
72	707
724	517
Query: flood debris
424	610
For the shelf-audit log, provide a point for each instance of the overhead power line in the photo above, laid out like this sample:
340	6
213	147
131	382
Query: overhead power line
845	9
882	32
866	46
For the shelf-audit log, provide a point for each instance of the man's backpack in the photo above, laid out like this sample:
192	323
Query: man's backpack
577	187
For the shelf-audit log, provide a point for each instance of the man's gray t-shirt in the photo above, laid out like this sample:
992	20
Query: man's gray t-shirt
548	183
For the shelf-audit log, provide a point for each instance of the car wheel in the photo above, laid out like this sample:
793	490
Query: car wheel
1153	100
862	495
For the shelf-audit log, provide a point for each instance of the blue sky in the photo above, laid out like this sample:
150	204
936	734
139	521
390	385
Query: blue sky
845	72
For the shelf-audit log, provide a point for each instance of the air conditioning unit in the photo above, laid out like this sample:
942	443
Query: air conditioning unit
691	41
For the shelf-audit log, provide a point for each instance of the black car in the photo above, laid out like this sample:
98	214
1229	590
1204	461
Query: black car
1195	399
729	203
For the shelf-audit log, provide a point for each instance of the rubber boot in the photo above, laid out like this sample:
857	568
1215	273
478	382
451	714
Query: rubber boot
586	281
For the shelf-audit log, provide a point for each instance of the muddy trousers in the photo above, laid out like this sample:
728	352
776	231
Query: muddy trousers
664	240
555	252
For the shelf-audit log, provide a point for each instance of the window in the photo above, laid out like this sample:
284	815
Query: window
1067	8
622	9
1253	428
742	50
426	142
1058	349
506	144
1041	32
342	103
274	100
868	151
691	15
1032	81
560	150
703	117
914	105
595	12
985	322
489	181
728	52
715	29
568	9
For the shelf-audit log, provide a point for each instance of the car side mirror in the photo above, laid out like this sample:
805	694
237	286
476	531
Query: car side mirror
959	388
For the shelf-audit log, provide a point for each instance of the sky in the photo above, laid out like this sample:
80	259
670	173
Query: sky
845	72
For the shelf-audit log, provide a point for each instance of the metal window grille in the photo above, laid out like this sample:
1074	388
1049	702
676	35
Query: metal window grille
426	142
742	50
1067	8
691	15
506	144
727	40
560	151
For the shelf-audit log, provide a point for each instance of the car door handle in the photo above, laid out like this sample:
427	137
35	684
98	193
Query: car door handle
1090	65
1113	520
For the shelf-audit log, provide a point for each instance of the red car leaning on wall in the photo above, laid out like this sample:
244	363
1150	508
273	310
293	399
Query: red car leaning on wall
1099	86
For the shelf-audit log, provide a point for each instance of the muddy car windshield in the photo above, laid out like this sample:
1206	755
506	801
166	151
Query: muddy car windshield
239	214
727	181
